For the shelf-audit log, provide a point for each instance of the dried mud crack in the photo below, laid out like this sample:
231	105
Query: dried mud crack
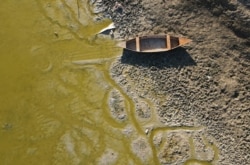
204	85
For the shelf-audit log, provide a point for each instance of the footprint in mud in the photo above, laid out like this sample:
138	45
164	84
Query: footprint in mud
174	149
143	110
117	105
142	149
109	157
189	147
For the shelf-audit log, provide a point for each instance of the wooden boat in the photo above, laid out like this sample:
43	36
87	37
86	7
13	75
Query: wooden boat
154	43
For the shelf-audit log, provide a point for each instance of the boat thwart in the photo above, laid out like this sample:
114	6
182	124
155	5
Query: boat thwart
154	43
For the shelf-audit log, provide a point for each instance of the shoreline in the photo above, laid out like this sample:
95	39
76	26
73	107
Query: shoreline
204	84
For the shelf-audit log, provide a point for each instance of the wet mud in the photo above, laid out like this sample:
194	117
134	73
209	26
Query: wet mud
66	97
199	93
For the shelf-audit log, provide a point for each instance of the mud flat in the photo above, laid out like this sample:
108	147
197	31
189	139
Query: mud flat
204	85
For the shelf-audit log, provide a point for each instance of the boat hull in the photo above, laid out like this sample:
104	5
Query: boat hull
154	43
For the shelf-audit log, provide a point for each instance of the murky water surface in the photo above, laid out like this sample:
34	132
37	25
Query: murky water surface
52	110
55	111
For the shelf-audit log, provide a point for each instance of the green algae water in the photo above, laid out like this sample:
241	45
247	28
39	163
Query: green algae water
53	110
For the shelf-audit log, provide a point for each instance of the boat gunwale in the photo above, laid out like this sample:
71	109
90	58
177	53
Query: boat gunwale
155	37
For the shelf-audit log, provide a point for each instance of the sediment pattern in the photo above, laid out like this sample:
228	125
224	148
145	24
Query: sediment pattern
205	84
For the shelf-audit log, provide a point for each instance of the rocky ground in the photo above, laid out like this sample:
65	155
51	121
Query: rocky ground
207	83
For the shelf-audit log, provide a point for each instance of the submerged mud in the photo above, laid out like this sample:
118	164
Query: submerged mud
200	93
54	107
66	99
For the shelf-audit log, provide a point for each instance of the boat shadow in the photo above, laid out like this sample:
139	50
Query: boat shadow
176	58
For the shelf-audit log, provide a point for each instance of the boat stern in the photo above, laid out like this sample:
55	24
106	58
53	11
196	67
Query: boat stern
183	41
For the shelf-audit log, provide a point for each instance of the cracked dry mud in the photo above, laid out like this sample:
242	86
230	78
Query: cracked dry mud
201	93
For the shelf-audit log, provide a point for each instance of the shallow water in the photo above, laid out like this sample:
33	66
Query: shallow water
51	110
54	108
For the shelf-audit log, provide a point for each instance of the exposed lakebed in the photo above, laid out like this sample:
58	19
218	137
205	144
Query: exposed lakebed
67	99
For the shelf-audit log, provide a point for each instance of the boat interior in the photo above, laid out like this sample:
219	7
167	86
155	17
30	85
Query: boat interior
154	43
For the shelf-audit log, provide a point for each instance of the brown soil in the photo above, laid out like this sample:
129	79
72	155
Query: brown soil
206	84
